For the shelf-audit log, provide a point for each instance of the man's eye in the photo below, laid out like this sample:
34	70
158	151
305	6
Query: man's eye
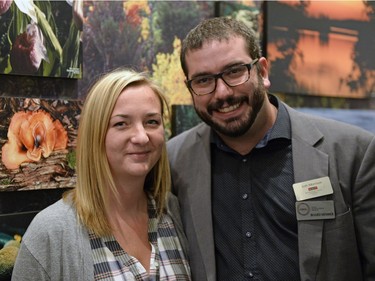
234	70
203	80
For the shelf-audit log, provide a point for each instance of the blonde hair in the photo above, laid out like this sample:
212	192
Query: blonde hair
94	178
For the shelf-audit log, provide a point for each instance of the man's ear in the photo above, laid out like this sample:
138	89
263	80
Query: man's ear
263	72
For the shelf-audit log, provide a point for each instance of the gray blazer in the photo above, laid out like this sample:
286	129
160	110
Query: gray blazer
339	249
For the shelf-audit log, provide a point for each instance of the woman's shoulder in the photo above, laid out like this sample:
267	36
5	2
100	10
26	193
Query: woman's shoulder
56	241
54	220
61	210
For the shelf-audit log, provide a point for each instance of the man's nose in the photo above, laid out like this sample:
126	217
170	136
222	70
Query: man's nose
222	89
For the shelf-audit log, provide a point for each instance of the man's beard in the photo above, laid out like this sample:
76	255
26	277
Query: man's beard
235	127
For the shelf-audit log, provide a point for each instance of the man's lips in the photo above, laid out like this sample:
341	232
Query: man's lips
229	108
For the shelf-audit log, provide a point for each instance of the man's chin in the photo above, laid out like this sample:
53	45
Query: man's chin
230	129
227	128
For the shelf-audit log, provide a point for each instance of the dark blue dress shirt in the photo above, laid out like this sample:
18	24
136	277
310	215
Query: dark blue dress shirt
255	226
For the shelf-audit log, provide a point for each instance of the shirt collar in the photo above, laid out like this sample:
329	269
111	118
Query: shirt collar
281	128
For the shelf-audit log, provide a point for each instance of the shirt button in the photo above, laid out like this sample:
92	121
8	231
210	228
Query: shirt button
248	234
245	196
244	160
251	275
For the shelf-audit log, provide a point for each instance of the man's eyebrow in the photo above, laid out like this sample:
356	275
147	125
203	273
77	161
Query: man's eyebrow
232	64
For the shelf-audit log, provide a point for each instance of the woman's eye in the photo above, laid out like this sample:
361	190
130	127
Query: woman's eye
153	122
119	124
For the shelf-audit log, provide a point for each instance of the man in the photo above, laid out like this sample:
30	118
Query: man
266	192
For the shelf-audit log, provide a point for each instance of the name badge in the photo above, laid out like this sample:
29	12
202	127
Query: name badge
312	188
315	210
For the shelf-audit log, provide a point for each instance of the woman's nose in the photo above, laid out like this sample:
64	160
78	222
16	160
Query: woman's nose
140	135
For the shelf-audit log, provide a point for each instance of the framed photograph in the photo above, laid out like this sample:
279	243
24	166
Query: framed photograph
247	11
12	228
38	140
17	210
41	38
320	48
183	118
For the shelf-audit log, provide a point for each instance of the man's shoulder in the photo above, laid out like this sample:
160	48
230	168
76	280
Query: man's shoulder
189	136
302	120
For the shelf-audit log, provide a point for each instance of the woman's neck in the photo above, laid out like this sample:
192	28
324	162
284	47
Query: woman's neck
129	200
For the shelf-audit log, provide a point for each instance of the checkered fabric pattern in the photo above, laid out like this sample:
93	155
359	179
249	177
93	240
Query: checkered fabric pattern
167	261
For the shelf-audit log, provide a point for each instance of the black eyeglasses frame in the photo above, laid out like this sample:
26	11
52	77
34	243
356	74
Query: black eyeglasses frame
220	75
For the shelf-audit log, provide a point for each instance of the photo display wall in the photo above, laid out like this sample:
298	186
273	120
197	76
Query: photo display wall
51	51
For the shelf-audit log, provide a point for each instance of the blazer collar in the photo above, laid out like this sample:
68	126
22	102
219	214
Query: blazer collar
200	200
309	163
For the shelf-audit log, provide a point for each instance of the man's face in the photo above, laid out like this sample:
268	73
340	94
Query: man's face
231	111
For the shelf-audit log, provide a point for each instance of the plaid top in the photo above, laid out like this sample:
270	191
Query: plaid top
167	262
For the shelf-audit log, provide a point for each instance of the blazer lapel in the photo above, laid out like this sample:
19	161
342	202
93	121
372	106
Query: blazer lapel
200	201
309	163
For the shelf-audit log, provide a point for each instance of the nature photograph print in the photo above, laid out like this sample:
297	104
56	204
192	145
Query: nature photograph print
38	141
41	38
321	48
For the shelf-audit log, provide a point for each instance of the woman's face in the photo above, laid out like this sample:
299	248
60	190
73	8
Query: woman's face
135	135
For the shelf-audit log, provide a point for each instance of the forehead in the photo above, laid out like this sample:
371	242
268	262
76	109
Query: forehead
217	54
137	98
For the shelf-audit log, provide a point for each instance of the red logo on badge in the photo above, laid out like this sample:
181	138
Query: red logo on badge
312	188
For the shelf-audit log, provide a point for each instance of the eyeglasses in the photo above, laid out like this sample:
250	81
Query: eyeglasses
233	76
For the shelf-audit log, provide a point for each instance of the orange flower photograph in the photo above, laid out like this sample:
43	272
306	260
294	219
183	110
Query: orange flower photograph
38	143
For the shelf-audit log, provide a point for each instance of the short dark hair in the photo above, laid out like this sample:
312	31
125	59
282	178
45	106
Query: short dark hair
219	28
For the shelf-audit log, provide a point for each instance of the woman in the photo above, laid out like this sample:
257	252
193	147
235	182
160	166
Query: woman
120	222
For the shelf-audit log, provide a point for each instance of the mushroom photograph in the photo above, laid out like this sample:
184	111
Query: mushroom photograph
37	140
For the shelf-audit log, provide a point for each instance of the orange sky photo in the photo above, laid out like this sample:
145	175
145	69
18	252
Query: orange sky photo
338	10
322	67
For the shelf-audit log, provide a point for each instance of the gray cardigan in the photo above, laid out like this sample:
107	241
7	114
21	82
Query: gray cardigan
56	246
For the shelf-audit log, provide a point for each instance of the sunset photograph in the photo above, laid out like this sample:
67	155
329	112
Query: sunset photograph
321	48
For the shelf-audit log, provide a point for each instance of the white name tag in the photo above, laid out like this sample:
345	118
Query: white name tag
312	188
315	210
